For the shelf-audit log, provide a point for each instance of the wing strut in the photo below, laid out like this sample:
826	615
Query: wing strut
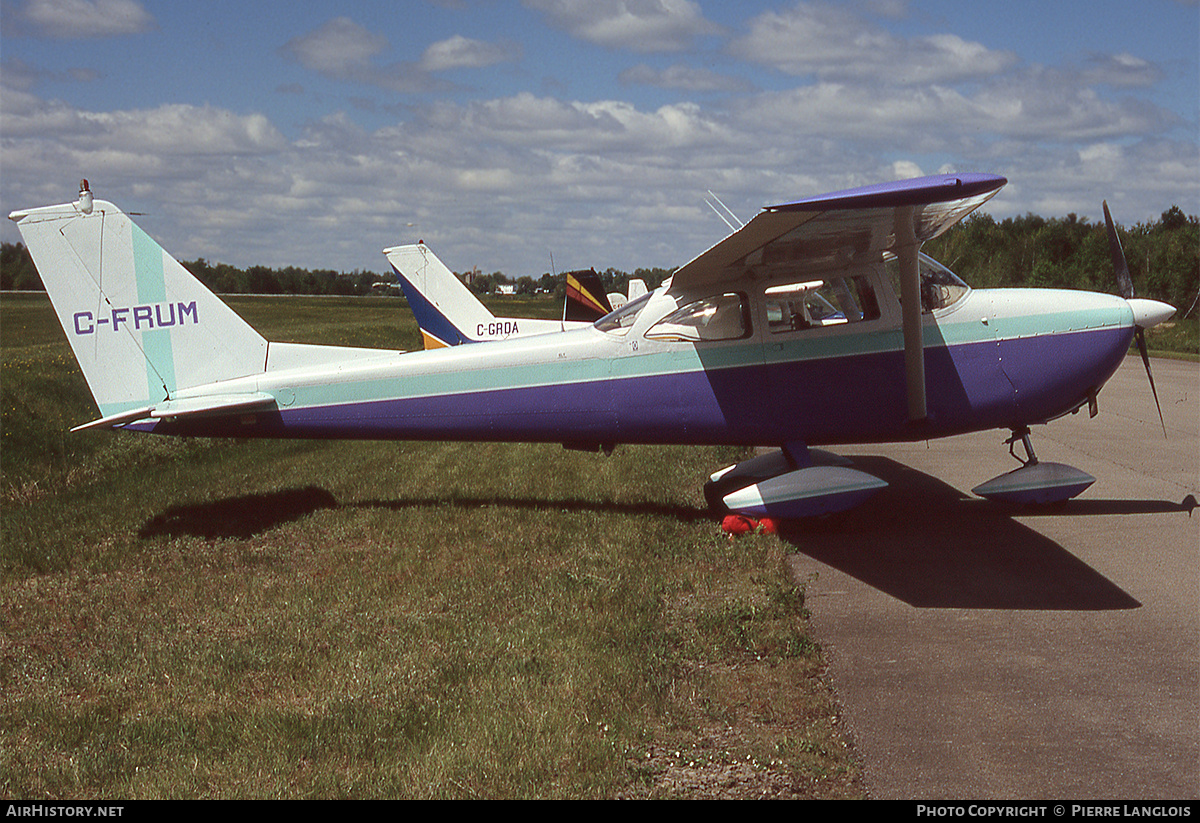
910	302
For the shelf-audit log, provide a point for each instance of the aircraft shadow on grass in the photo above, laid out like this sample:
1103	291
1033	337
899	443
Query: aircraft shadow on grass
238	517
565	505
920	540
249	515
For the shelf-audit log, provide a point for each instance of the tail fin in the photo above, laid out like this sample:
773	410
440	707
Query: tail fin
140	325
586	300
446	310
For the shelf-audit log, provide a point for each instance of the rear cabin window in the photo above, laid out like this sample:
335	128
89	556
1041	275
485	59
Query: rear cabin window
835	301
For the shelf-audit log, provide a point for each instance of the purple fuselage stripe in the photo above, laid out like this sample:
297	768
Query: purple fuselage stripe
850	399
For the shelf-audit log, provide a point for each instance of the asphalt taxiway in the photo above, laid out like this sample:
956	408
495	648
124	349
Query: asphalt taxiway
982	651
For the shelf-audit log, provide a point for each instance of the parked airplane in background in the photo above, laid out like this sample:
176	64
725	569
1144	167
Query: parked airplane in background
818	322
449	314
446	310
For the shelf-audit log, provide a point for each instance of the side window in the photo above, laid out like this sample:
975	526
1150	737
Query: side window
818	303
721	317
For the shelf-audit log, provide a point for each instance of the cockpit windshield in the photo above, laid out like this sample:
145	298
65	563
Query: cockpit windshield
621	320
940	287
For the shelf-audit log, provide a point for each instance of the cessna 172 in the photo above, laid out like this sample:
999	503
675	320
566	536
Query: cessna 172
818	322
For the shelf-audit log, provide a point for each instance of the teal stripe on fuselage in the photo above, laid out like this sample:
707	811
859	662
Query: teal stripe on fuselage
490	367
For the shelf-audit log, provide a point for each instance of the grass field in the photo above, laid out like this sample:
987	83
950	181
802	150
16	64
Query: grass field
242	619
1177	338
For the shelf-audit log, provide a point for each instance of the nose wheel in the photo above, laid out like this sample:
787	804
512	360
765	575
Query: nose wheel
1035	482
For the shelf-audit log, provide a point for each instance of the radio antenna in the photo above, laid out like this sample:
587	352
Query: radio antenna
739	225
554	276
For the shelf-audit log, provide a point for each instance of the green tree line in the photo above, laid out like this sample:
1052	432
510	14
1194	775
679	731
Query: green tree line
225	279
1073	253
1066	252
18	272
614	280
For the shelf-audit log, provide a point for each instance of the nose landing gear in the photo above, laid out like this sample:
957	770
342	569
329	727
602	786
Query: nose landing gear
1034	482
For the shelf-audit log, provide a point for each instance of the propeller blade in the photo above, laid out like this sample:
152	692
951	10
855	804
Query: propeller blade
1141	341
1124	281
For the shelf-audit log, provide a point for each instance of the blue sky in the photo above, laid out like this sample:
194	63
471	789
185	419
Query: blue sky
316	134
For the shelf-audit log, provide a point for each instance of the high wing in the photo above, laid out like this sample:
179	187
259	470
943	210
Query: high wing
846	228
835	230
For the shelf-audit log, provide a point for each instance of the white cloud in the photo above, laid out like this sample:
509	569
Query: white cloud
636	25
906	169
503	182
683	78
343	50
828	42
17	74
1122	71
460	52
87	18
340	48
1036	105
1057	105
546	124
168	130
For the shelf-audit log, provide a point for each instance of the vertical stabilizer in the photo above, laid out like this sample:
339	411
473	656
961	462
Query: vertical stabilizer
586	300
445	309
140	325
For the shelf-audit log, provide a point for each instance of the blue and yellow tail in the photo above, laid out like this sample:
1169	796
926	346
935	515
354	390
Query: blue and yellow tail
446	310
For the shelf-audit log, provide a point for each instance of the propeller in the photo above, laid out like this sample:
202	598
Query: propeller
1125	283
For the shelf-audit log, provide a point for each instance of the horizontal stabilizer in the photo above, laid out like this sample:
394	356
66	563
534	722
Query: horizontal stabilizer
188	407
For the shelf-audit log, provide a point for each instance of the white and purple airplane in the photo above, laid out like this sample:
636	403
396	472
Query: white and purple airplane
819	322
